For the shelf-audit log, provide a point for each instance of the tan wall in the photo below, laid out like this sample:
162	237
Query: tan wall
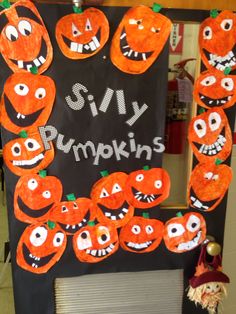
188	4
229	255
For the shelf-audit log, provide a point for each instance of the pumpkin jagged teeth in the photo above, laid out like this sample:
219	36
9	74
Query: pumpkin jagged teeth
96	42
28	162
190	244
20	64
34	265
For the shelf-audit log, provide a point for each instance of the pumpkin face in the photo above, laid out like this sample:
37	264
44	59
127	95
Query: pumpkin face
141	235
214	89
35	196
208	185
27	155
73	215
27	101
81	35
139	39
40	247
147	188
210	135
108	194
217	41
24	40
182	234
92	244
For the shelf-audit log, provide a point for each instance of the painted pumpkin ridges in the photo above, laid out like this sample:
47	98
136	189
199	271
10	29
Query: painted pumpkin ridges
141	234
215	89
95	242
210	135
72	215
108	193
35	196
40	246
24	40
26	154
139	39
82	35
217	41
208	184
184	233
147	188
27	101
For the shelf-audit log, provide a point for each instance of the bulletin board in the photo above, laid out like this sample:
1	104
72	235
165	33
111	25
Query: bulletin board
103	122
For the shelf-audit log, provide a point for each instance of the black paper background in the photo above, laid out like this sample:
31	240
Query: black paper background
34	293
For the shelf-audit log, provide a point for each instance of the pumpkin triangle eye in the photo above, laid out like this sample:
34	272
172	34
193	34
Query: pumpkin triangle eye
88	26
104	193
64	209
116	188
75	31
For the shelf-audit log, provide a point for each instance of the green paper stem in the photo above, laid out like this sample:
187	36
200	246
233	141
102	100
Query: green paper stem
214	13
146	215
156	7
91	223
42	173
34	70
5	4
179	214
23	134
51	224
71	197
201	110
77	10
104	173
146	167
218	162
227	70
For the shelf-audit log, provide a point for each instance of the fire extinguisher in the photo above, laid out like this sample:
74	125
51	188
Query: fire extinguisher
177	111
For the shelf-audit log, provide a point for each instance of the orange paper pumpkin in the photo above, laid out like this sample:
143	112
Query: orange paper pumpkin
139	39
24	40
82	35
26	154
34	197
109	196
40	247
215	89
141	234
147	188
73	214
210	135
208	184
27	101
217	40
94	243
184	233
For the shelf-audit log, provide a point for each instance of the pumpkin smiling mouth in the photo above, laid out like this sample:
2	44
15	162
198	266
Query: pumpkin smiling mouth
18	118
200	205
115	214
145	198
38	61
35	261
221	62
102	252
76	227
86	48
30	163
129	53
212	149
34	213
139	246
186	246
210	102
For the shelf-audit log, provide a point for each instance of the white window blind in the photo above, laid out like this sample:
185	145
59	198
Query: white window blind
148	292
